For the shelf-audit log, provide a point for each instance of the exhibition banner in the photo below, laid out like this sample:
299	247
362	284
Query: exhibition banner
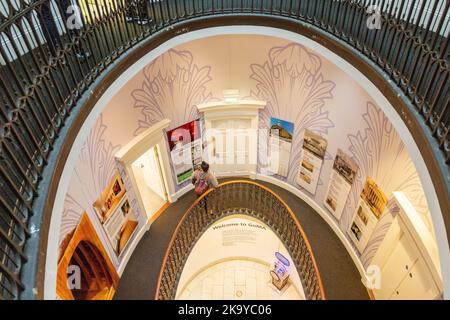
371	205
313	153
116	215
341	180
185	145
280	142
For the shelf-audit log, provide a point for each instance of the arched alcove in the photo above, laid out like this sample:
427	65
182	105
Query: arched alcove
95	280
85	271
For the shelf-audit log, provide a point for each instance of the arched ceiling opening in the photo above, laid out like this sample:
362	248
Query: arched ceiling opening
262	62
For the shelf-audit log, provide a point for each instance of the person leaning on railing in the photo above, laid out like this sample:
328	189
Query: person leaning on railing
203	179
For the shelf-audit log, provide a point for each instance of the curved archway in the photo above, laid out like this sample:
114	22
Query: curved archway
95	280
84	270
101	98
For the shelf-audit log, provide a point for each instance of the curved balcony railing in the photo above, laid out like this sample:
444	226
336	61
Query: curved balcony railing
50	54
245	198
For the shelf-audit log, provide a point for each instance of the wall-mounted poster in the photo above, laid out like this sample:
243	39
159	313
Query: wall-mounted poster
116	214
314	147
341	180
121	226
185	145
371	205
280	142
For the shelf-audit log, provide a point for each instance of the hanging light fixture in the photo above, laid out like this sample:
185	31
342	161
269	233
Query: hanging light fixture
231	96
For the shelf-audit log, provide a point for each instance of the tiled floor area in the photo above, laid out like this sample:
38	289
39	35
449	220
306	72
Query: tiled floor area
234	280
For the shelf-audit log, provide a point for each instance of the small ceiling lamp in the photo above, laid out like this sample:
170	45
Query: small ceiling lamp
231	96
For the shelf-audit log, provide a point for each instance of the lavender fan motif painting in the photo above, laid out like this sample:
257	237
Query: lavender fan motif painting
173	85
292	84
380	152
95	169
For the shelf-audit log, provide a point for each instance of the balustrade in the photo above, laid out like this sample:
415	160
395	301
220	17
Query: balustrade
273	212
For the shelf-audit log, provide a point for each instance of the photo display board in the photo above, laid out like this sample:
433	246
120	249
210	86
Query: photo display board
371	205
341	180
280	142
185	145
313	153
116	215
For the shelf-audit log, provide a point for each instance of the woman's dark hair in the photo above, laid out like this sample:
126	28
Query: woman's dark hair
204	166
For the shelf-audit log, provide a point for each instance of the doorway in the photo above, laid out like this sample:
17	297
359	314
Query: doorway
231	146
85	271
147	171
144	162
95	281
231	131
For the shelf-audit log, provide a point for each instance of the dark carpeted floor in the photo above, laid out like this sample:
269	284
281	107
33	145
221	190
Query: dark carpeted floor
341	279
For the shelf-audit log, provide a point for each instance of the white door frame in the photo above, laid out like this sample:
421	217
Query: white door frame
150	138
242	109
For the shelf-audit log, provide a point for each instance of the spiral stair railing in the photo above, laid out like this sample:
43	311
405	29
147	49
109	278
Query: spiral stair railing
239	197
50	57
